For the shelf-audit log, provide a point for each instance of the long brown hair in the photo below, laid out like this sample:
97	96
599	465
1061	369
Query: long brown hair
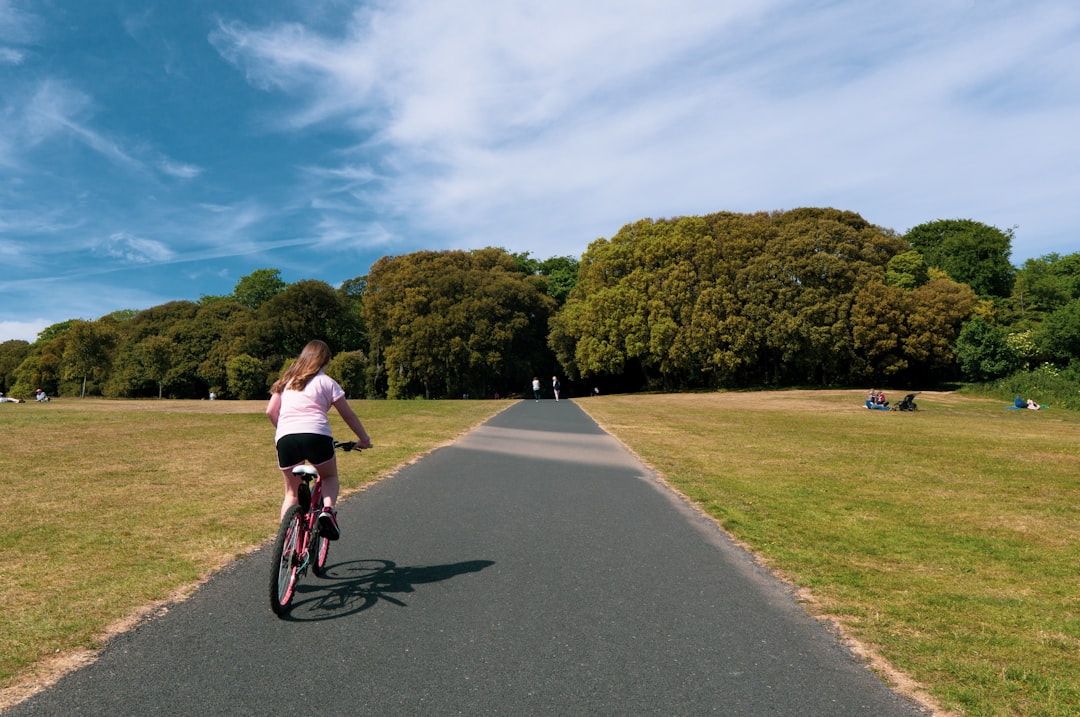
312	359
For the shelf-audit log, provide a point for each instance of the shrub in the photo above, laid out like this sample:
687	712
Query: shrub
1047	384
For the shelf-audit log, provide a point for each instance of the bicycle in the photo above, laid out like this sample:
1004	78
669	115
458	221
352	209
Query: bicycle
299	544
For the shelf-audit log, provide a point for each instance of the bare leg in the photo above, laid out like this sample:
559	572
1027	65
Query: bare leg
330	483
292	484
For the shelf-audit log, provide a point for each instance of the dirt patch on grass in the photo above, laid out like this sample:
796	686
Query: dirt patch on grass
156	406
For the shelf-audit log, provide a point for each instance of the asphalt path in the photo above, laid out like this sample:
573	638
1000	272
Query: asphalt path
533	567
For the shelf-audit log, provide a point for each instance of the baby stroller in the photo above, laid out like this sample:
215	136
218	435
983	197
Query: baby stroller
908	404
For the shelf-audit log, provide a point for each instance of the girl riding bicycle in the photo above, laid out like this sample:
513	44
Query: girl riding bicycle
299	403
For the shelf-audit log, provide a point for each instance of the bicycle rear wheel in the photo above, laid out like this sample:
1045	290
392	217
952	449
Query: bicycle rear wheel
285	561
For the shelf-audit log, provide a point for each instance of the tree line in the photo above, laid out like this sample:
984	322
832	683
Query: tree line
802	297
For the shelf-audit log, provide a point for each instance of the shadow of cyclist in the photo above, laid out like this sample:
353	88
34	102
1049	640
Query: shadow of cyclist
354	586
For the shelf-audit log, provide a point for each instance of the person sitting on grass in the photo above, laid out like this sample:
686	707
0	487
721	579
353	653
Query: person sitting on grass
1033	405
876	401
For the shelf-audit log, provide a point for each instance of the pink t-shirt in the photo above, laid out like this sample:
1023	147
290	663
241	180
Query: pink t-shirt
305	411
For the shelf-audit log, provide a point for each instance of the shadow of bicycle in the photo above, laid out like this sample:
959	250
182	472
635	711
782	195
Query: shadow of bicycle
354	586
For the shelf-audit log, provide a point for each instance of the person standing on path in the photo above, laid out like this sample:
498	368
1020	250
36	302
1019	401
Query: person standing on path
298	407
556	386
536	389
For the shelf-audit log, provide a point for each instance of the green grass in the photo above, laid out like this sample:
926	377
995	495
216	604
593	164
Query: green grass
947	540
111	506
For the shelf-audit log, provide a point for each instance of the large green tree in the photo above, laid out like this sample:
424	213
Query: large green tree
559	273
42	368
217	332
983	351
1045	284
130	375
454	322
1059	336
968	251
258	287
156	356
937	312
247	377
724	300
88	352
306	310
12	353
349	369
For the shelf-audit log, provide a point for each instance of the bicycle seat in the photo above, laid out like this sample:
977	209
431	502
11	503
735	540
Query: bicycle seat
305	470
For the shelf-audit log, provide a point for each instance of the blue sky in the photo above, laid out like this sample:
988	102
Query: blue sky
158	150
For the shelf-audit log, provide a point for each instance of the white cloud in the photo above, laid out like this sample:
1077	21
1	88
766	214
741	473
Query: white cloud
136	250
179	170
23	330
57	108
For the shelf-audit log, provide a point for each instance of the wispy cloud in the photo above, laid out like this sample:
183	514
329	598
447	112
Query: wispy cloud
136	250
55	109
17	28
231	222
334	233
349	175
180	170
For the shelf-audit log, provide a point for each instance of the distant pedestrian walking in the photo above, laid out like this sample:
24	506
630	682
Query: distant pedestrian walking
556	386
536	388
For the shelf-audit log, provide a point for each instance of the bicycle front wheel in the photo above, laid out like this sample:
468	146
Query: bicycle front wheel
286	559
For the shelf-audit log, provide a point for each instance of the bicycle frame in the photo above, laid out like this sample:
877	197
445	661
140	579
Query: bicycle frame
299	544
310	501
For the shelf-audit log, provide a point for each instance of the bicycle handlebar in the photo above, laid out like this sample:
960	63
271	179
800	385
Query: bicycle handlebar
347	445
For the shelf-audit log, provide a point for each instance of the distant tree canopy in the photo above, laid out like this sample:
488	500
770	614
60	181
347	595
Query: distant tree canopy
258	287
809	296
969	252
763	299
454	322
1046	284
559	273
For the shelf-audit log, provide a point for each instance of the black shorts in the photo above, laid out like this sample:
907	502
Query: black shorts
295	448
